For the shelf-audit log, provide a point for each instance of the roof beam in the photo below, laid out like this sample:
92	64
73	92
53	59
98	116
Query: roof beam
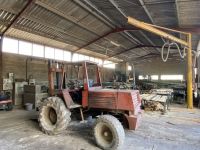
127	50
103	17
71	19
146	11
99	14
139	46
177	13
56	29
124	14
43	22
149	15
59	13
103	36
178	16
29	2
193	30
161	2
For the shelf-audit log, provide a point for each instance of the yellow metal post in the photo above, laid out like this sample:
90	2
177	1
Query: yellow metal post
189	73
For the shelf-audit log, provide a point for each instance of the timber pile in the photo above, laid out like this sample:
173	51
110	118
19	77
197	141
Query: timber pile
153	106
154	102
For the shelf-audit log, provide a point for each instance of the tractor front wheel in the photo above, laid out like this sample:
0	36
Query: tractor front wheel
108	132
54	117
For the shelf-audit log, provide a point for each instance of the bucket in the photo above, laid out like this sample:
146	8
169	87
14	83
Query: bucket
28	106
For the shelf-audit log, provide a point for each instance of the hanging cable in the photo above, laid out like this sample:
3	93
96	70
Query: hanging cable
162	52
181	55
169	48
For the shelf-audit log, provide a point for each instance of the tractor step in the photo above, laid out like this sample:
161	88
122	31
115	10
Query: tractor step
69	102
74	106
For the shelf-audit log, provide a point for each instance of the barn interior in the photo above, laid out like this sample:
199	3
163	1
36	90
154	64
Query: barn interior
52	47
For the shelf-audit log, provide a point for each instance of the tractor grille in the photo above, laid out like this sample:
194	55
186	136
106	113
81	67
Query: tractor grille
136	101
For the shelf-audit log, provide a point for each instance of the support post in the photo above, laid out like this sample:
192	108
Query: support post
189	73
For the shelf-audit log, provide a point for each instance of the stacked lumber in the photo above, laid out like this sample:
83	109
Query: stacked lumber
153	106
154	102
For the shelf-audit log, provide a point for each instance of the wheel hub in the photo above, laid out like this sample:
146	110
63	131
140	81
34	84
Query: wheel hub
52	116
107	134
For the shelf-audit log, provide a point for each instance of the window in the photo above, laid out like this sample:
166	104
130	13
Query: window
141	77
38	50
87	58
58	54
25	48
100	62
49	52
10	45
81	57
154	77
92	59
67	56
75	57
129	68
96	60
109	64
171	77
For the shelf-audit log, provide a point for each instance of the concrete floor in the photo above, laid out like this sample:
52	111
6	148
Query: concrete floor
179	129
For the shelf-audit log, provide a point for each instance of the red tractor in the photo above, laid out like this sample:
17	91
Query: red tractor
85	94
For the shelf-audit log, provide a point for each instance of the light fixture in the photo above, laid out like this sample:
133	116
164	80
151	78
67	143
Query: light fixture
114	43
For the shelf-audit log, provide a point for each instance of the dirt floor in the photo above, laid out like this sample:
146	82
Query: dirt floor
179	129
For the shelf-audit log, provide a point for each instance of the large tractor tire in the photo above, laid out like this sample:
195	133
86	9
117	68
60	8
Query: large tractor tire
54	117
109	132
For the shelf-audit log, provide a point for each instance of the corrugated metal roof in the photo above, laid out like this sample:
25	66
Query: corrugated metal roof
72	24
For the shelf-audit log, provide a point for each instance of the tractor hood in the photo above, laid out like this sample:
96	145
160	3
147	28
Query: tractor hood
115	99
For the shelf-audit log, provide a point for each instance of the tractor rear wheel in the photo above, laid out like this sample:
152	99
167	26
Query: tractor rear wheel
109	132
54	117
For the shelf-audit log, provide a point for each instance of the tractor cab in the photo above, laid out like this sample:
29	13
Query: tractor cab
74	80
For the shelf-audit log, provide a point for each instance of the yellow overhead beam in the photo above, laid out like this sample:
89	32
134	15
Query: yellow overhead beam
156	30
150	28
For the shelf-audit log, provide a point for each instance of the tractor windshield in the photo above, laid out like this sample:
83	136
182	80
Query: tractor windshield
76	72
93	75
